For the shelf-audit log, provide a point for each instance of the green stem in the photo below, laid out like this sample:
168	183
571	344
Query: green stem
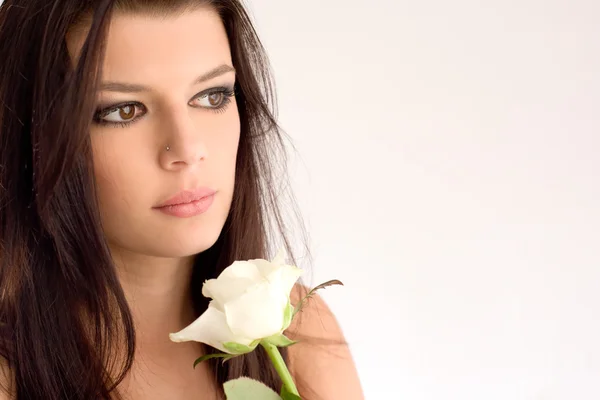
280	367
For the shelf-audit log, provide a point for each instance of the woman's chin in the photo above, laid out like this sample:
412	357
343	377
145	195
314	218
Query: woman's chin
169	241
173	247
183	248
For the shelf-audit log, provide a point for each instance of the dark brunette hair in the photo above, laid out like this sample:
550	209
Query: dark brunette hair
62	309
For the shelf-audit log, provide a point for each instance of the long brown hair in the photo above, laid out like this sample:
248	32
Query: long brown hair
62	309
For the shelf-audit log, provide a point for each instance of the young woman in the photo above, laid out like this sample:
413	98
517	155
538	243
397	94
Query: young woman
111	112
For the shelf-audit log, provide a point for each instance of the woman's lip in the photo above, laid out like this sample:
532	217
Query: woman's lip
188	196
189	209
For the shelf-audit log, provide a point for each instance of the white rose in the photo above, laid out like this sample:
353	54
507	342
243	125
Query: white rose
250	302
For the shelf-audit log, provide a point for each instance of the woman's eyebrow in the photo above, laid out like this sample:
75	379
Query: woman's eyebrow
122	87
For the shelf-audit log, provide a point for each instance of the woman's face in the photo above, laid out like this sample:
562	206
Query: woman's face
167	82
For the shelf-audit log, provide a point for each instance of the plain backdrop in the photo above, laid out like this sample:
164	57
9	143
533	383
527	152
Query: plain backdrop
448	167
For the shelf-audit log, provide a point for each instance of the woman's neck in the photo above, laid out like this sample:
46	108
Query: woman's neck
159	296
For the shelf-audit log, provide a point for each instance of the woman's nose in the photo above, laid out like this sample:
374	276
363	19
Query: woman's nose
183	144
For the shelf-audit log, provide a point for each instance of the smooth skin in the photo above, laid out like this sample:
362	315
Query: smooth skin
156	65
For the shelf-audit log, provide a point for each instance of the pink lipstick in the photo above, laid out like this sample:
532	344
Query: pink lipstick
188	203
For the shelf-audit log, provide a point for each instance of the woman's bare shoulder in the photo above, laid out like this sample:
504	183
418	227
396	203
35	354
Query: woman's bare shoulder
321	360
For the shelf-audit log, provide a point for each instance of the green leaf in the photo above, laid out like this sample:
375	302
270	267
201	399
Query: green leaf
248	389
287	395
227	358
280	340
312	292
236	348
288	315
209	356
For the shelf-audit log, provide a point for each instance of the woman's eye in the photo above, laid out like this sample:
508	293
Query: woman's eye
125	113
212	100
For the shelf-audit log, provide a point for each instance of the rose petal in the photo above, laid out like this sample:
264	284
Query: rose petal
264	267
280	257
287	275
258	313
223	290
241	269
285	278
210	328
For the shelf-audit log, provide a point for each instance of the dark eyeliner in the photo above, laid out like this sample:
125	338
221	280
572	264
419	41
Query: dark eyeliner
228	93
104	111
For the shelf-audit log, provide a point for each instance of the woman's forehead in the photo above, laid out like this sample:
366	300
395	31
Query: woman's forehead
145	48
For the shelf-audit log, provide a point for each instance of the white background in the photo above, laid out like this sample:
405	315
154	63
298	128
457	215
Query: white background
448	166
